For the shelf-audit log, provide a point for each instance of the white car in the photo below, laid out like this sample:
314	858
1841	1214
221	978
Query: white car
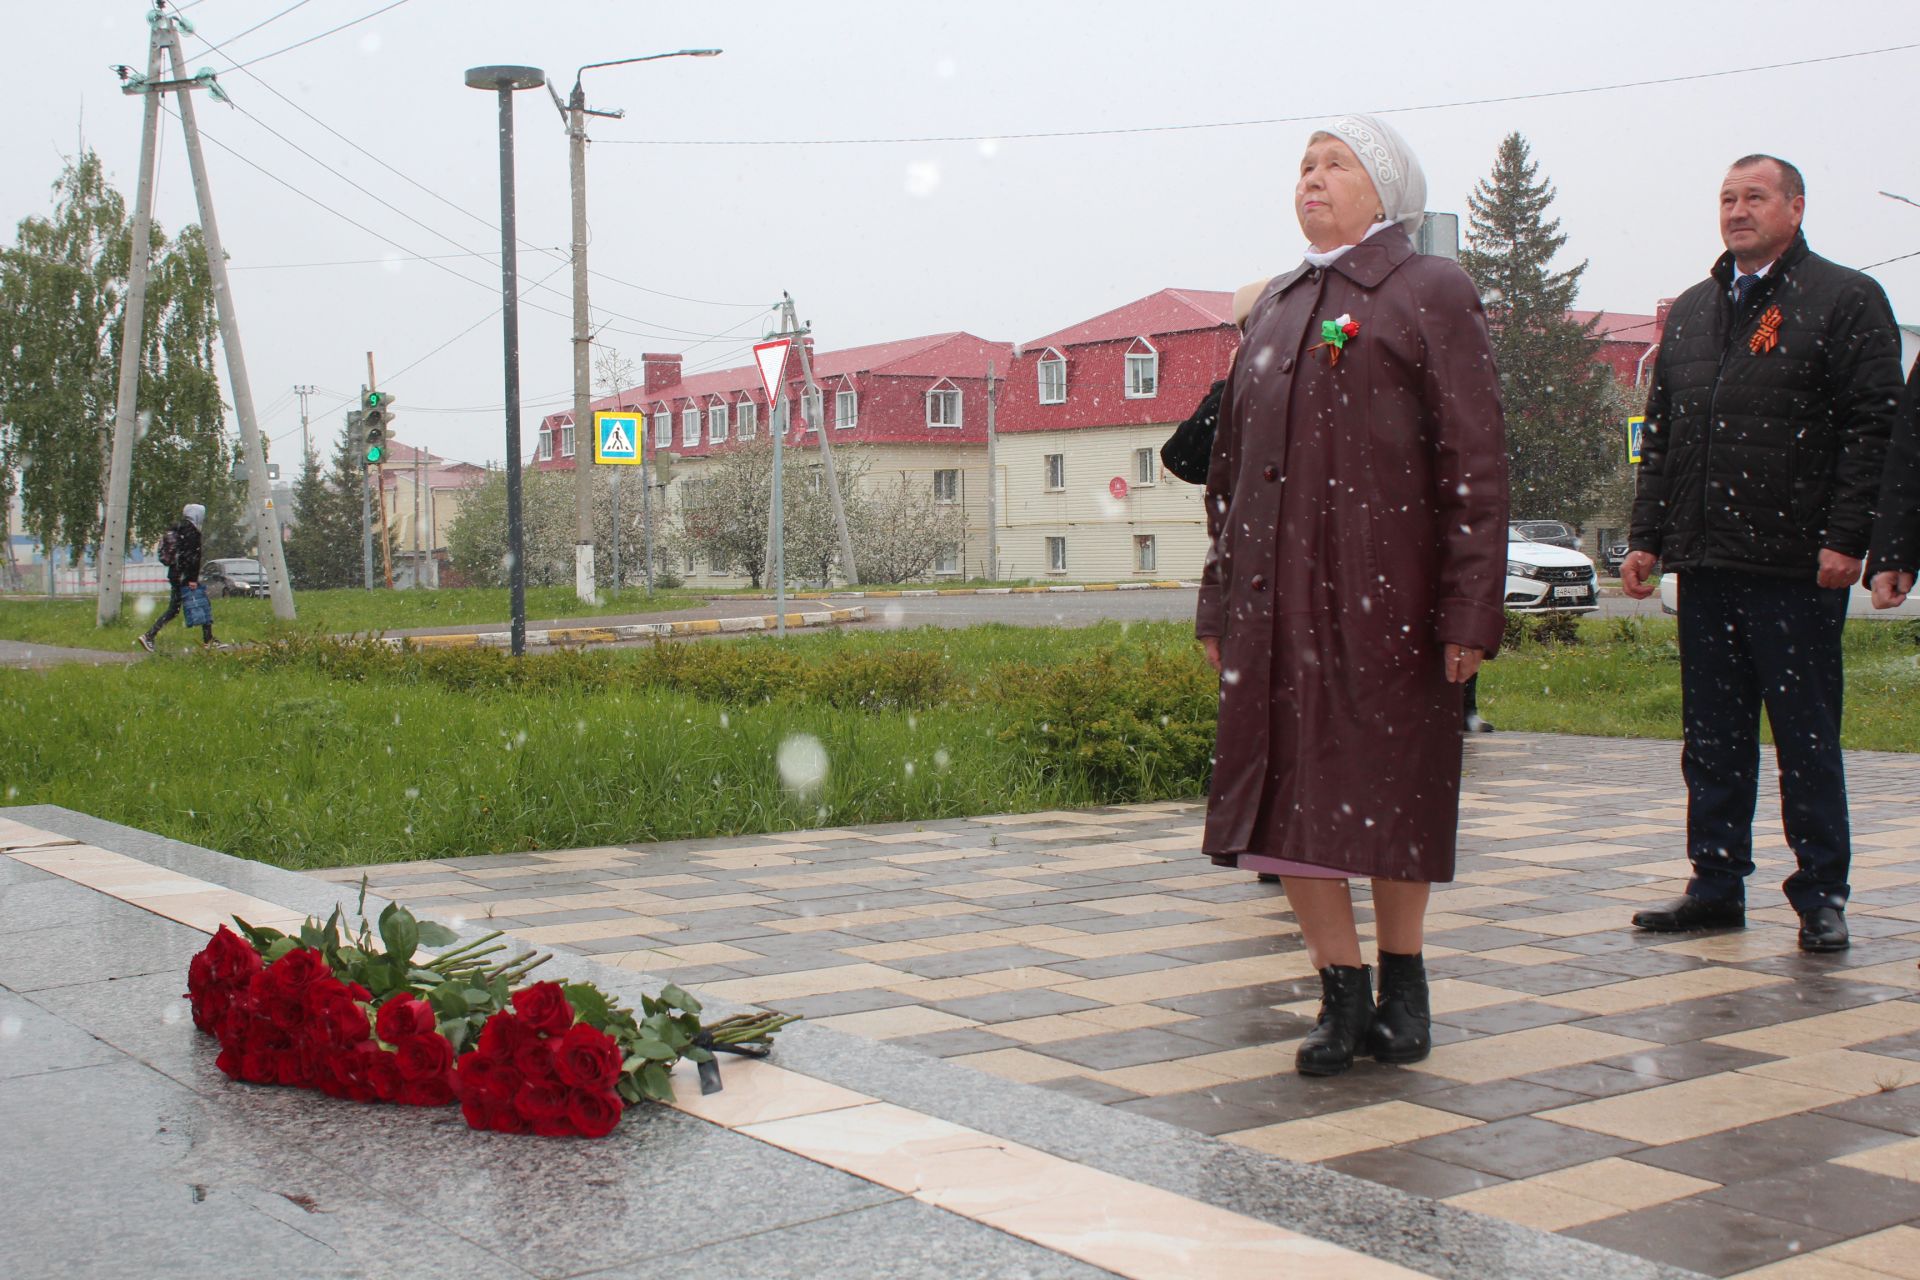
1859	601
1543	579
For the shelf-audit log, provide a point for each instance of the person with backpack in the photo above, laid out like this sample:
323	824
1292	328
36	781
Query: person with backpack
180	552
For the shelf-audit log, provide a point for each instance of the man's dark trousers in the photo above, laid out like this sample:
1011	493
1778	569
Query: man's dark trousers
1747	641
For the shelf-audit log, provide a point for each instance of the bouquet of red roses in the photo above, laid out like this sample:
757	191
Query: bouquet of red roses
373	1021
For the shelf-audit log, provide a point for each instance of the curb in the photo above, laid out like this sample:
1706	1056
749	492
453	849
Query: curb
562	636
920	592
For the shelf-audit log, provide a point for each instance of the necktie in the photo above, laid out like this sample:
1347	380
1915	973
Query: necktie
1743	285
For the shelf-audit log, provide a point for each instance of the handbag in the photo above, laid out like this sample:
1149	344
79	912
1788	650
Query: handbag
1189	451
198	610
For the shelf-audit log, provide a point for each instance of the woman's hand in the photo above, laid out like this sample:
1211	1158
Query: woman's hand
1463	663
1212	646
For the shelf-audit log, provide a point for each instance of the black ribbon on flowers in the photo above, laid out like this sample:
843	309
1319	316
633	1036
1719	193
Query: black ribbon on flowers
710	1069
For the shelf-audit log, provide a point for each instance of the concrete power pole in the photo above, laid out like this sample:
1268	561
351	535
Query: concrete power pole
306	441
811	406
582	352
113	547
259	489
993	481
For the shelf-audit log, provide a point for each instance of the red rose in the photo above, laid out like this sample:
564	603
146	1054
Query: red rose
1350	328
486	1081
338	1019
232	957
287	1009
541	1103
430	1092
503	1034
476	1114
593	1113
292	972
383	1074
534	1060
544	1006
424	1057
402	1017
587	1058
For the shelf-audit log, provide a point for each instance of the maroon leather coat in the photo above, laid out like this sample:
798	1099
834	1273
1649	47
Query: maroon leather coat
1358	511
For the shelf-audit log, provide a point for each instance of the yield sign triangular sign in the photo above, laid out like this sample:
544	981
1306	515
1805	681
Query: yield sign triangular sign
772	359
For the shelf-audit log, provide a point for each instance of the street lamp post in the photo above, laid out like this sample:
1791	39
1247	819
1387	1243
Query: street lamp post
575	112
504	81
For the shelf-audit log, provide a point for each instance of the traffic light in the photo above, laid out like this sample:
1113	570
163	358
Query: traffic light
376	411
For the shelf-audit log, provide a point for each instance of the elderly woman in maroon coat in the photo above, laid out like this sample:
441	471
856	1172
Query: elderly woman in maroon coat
1357	503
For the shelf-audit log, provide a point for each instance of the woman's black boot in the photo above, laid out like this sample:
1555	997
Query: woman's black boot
1403	1024
1346	1011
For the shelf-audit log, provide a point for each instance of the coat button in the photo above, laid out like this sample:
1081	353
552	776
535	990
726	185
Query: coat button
1271	472
1259	583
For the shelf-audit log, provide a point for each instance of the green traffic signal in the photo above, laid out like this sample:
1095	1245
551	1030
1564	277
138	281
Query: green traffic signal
375	452
375	399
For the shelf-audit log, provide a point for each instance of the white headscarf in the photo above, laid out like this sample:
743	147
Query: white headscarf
195	512
1395	170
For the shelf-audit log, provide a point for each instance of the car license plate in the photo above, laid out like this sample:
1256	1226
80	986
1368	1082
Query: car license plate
1569	593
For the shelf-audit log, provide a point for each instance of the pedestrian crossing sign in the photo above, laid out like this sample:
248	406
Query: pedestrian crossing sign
1636	429
617	436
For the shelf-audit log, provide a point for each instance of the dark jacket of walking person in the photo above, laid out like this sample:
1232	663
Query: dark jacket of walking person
1896	534
1357	507
1766	429
183	572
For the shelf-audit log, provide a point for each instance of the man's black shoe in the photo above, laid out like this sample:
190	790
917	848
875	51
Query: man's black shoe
1683	915
1823	929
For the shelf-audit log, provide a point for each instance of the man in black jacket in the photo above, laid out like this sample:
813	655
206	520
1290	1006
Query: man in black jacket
1766	429
1896	535
183	571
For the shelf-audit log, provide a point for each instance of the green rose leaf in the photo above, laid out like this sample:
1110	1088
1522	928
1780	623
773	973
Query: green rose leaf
434	934
679	999
655	1084
653	1049
588	1001
399	932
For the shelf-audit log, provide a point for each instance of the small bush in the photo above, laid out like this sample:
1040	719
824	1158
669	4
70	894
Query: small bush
1128	722
882	680
1527	629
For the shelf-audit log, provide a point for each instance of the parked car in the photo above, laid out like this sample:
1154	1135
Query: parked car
1611	558
233	578
1543	578
1552	532
1859	603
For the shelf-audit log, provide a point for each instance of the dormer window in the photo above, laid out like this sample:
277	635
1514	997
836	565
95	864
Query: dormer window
716	419
1143	370
746	416
690	427
1053	377
846	406
943	404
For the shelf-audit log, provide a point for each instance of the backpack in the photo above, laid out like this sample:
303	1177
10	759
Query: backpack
169	547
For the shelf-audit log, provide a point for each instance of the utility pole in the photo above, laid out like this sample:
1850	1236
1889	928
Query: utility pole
993	480
419	522
575	112
306	443
354	419
253	450
646	500
113	547
811	406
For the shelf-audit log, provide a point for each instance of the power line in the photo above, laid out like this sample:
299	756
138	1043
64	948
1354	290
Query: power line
1884	261
1244	124
241	66
369	262
408	178
256	26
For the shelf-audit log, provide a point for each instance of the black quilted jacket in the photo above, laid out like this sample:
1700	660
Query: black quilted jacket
1896	538
1757	455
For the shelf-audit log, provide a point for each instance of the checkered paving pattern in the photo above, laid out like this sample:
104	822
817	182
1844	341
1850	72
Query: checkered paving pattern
1721	1102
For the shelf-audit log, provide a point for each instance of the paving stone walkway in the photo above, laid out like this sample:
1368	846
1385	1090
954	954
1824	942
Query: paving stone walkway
1721	1103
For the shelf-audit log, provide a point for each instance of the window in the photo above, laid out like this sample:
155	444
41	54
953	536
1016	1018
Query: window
943	404
947	559
544	450
1056	472
690	560
846	409
746	416
1145	558
946	485
1143	371
662	426
810	408
716	419
1053	377
782	415
1056	555
689	426
1146	467
566	441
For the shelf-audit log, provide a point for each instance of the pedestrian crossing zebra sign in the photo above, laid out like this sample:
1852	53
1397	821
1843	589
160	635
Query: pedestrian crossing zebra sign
617	434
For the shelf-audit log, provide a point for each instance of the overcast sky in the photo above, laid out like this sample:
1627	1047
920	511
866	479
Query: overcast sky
1008	239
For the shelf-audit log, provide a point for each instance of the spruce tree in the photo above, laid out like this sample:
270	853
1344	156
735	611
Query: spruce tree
1560	405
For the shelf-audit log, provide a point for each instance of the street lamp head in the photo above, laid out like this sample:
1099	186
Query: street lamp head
506	77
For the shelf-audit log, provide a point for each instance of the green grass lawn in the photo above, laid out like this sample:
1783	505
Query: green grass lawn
316	755
344	612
